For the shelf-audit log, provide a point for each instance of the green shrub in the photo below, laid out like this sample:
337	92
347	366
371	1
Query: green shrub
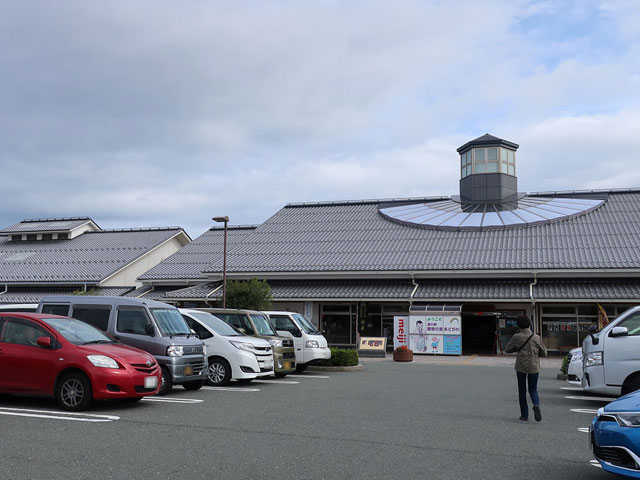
341	357
565	365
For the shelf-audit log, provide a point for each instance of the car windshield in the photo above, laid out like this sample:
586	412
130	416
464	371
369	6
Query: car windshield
214	323
77	332
305	324
170	322
263	326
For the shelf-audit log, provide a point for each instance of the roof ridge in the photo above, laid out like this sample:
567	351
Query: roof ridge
236	227
138	229
57	219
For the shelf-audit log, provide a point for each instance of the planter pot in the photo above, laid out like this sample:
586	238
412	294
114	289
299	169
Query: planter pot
562	376
403	356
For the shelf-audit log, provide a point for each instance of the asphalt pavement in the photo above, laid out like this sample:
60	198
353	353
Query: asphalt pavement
390	420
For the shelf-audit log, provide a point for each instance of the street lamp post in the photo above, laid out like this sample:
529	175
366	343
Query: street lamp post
224	219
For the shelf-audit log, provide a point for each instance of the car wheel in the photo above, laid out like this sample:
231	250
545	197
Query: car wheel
166	384
74	392
195	385
631	385
301	367
218	372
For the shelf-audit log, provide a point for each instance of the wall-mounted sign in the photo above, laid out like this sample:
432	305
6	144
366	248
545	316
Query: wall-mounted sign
372	347
434	334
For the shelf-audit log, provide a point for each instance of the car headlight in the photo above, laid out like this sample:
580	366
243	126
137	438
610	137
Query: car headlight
593	359
628	419
312	344
243	346
175	351
577	357
103	361
275	342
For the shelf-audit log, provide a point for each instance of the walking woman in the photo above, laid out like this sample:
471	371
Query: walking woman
529	348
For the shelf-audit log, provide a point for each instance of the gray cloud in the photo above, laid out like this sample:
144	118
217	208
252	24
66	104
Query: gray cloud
153	113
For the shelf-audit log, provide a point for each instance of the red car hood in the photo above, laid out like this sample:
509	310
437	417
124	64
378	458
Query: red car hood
118	351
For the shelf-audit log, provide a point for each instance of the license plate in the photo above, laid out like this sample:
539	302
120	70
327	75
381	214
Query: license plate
151	382
287	365
188	371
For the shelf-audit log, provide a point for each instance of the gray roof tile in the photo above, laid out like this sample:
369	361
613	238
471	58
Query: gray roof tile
90	257
35	294
46	224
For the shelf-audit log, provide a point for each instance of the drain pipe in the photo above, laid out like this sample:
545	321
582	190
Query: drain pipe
533	300
6	289
415	289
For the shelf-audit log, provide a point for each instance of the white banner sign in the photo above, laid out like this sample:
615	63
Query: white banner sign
400	331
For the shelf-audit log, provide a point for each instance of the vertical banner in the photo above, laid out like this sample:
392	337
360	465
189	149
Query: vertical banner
400	331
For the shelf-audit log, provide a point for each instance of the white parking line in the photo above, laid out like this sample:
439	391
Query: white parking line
584	410
575	389
281	382
172	400
73	417
308	376
584	429
595	463
595	399
231	389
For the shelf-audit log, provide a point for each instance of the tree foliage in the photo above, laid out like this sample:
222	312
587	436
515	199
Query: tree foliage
252	294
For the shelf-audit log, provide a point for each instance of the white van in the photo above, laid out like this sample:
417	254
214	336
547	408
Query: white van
611	357
232	354
309	343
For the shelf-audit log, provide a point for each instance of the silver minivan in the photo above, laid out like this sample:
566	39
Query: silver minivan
152	326
611	357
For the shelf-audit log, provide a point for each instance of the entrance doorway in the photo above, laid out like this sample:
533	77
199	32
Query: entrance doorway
479	333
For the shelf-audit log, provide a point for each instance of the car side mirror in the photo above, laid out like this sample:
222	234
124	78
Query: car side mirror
149	330
44	342
619	332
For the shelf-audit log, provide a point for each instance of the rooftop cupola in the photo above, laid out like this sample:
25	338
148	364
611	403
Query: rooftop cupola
488	170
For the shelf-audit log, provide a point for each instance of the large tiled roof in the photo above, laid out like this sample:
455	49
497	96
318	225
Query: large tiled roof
355	237
191	260
90	257
46	224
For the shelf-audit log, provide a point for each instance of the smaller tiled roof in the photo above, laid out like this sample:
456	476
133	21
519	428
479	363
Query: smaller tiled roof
152	292
487	139
431	290
35	294
46	225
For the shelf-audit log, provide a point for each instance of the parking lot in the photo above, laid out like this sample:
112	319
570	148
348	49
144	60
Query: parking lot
390	420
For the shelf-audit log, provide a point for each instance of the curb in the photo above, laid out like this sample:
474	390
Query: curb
354	368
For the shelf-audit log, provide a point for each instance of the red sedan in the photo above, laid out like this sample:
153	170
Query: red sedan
74	362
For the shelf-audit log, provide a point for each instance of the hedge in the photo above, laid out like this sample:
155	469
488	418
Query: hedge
341	357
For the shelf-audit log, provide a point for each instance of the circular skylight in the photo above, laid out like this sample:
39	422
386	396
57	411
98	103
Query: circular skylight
453	215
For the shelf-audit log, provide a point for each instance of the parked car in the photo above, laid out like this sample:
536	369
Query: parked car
42	354
152	326
611	357
19	307
257	324
574	369
310	345
615	436
232	354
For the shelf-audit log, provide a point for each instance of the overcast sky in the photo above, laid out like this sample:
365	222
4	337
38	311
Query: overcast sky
153	113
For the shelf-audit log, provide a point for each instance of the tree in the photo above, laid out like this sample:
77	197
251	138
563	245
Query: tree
253	294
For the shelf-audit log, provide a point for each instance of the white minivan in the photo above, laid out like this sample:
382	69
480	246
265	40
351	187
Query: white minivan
232	354
309	343
611	357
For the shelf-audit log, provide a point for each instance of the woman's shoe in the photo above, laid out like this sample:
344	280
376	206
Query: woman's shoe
537	413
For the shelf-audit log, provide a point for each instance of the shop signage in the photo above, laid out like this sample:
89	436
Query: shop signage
372	347
400	331
435	334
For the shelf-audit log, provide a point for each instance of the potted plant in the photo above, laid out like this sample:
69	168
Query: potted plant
402	354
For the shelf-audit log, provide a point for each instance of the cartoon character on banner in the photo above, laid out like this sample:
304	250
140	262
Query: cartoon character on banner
435	341
421	337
